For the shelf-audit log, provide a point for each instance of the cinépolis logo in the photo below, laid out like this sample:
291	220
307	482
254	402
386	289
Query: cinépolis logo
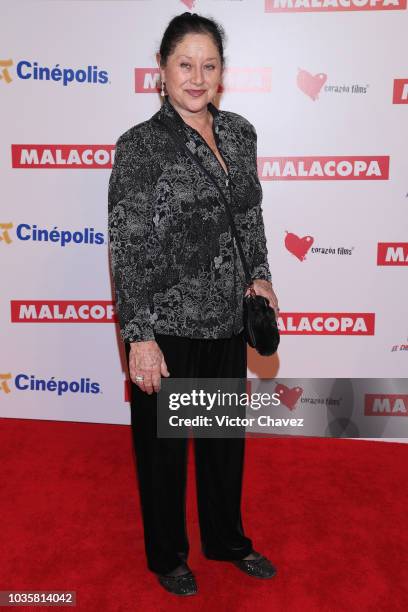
32	70
62	237
57	386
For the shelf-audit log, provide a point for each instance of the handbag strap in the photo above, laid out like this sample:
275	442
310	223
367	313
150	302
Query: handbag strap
183	145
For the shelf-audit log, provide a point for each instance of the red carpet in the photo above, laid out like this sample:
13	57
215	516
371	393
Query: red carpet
331	514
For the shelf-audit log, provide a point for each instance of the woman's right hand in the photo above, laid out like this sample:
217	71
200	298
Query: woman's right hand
146	359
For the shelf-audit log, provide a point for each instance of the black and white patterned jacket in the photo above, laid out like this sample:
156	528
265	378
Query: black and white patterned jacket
175	266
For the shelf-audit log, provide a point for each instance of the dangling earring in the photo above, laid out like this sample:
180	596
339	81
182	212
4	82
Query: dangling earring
162	93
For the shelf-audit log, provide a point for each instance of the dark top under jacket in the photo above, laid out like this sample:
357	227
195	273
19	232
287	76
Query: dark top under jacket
175	266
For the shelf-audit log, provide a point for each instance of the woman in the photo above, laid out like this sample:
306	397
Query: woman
179	287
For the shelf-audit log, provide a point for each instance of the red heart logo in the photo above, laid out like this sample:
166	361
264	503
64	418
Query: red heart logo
189	3
298	246
309	84
288	397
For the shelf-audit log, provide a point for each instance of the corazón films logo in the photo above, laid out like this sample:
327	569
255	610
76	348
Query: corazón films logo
293	397
301	246
312	84
289	397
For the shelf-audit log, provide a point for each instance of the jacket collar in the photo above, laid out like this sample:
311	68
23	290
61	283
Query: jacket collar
196	143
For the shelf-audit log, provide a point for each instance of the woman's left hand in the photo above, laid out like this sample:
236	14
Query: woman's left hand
264	287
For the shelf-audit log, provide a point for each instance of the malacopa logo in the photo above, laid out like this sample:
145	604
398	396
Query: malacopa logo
62	311
385	404
392	254
329	6
336	168
59	387
35	156
243	80
301	246
400	91
28	70
327	323
30	232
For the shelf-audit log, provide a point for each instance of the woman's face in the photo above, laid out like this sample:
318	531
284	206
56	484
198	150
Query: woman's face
194	67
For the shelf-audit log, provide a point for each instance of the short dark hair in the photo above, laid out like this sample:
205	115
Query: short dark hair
190	23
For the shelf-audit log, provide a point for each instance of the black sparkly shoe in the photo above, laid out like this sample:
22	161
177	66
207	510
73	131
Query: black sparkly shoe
184	584
260	567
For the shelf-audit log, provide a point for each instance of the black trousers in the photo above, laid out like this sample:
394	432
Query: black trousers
162	462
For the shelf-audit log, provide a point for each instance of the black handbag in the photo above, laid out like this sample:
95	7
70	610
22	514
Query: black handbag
260	325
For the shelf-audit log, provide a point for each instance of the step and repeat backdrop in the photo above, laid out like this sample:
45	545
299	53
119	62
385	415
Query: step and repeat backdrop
325	83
